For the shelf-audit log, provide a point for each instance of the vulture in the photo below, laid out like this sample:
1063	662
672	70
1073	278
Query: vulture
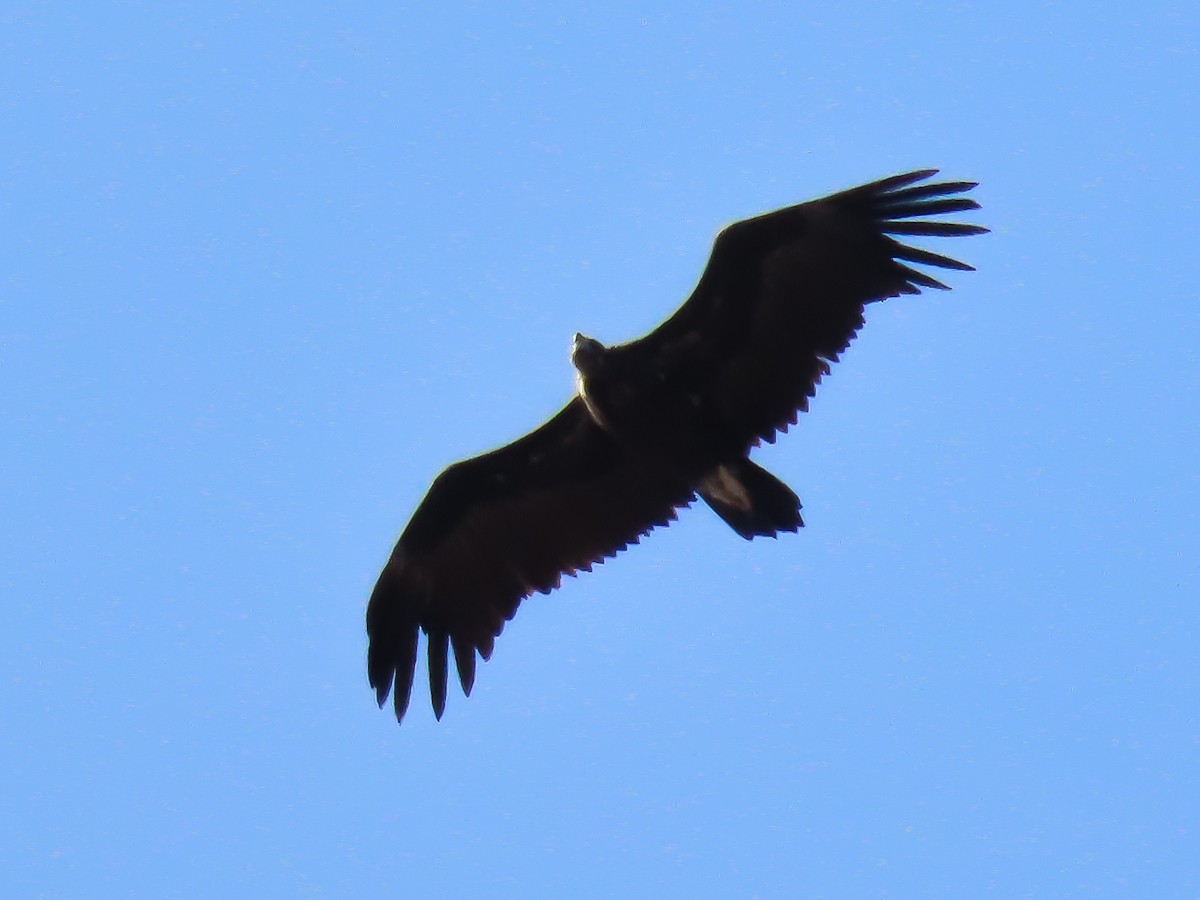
653	424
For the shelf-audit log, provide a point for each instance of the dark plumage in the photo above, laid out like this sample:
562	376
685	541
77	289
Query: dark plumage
655	423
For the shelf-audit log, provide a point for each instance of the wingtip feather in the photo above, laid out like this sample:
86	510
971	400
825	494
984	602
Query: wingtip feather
437	663
931	229
464	661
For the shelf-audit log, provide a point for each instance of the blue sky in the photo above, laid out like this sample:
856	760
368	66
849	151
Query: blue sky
269	267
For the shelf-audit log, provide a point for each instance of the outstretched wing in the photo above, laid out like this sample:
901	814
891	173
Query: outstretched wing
496	528
784	293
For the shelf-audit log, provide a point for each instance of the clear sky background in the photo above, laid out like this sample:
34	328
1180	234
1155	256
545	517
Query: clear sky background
268	267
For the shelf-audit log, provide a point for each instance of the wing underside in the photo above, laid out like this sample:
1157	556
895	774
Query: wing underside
785	293
523	517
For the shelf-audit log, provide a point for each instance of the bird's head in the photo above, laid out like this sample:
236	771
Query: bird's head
587	355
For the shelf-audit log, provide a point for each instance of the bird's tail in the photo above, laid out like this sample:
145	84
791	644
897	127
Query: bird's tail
751	500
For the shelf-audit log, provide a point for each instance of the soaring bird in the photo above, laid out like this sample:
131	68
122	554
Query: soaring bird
654	423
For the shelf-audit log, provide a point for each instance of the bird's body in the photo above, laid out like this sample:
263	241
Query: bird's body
654	423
